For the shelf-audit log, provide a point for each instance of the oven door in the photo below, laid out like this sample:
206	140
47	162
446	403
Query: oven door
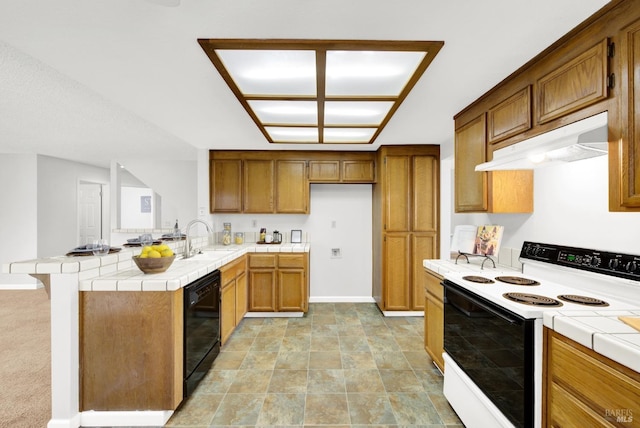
494	348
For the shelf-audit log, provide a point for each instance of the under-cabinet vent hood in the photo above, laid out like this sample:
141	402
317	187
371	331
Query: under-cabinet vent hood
584	139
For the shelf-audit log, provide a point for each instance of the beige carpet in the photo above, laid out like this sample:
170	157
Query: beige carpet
25	359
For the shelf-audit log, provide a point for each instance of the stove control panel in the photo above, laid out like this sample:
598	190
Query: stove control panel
603	262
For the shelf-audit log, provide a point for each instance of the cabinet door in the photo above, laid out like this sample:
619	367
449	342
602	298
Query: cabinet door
470	150
510	117
292	290
358	171
574	85
425	195
258	186
434	330
262	290
227	310
396	272
225	186
325	171
626	171
423	246
397	193
292	187
241	297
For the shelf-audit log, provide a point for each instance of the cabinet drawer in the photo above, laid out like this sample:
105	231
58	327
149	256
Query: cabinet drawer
295	260
595	382
262	261
433	286
567	411
232	270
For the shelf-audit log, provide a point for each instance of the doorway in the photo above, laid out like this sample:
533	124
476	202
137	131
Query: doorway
90	218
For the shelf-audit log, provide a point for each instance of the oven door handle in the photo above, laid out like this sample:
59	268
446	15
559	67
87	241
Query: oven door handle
510	318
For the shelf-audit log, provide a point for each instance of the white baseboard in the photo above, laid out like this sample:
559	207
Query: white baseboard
403	313
94	418
341	299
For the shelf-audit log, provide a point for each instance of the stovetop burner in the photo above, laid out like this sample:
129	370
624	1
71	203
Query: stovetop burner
532	299
478	279
517	280
582	300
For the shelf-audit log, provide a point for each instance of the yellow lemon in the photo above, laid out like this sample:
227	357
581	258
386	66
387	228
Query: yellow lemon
144	255
163	247
166	253
153	254
145	249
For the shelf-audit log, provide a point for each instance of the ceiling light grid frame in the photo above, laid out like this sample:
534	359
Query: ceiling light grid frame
329	112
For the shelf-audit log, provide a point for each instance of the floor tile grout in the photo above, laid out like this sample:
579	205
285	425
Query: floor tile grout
405	385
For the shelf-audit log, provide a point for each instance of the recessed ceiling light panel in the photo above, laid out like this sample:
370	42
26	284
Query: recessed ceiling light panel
370	72
285	112
285	134
348	135
271	72
356	112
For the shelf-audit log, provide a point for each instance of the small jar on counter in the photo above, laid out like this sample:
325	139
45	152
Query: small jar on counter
239	238
226	234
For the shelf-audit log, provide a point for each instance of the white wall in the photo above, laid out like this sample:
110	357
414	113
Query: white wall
19	213
176	182
57	190
570	208
131	215
348	205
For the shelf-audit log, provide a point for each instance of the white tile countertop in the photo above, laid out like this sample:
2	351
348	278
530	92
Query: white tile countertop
118	272
444	266
601	331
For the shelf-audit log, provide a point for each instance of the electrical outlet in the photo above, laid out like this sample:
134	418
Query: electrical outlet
336	253
201	210
254	223
333	224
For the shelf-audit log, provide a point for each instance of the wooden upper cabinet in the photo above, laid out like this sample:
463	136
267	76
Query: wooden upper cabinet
425	193
258	186
624	163
397	193
510	117
292	188
346	168
324	171
573	85
358	171
225	185
470	150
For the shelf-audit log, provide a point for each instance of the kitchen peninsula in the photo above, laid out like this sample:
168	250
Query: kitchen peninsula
67	278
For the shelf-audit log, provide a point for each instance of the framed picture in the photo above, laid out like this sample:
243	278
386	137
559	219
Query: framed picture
296	236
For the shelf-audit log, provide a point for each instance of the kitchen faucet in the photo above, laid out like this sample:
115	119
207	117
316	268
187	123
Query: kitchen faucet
187	243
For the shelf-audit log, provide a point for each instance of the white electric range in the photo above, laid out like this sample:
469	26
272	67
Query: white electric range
494	320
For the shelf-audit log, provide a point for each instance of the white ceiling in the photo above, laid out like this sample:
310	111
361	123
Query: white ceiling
96	80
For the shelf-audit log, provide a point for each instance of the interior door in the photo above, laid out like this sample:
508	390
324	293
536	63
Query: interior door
89	212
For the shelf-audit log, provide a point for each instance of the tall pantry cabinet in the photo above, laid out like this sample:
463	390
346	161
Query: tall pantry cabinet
406	224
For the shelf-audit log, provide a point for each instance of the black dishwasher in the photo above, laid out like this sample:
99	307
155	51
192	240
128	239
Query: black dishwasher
201	328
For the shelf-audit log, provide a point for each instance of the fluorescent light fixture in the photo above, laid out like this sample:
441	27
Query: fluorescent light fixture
320	91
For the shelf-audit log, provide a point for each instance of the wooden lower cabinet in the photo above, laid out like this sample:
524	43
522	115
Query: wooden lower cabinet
585	389
233	292
434	317
131	350
278	282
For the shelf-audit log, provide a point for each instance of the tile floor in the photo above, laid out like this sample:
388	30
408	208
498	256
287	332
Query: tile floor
342	365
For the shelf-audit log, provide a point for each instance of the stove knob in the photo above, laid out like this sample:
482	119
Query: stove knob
595	261
631	266
614	263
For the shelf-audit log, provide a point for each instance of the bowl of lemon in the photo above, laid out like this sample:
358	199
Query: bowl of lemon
154	258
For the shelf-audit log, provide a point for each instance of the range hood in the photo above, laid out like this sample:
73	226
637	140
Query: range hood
584	139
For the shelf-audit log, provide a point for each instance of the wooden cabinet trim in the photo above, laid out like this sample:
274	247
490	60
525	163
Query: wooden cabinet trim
510	117
574	85
627	168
